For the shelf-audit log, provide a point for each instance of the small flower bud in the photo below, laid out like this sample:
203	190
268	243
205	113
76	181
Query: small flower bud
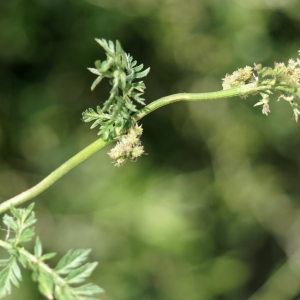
138	130
132	139
137	151
119	162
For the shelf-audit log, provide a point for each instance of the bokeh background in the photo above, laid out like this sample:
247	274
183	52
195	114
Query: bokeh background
213	210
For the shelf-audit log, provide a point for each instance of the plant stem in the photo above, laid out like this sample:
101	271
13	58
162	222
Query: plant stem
239	91
5	245
55	175
98	144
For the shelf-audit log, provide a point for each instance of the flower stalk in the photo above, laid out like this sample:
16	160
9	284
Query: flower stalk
100	143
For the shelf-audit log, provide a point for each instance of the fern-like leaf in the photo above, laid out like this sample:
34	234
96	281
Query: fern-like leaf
11	274
71	260
114	118
52	283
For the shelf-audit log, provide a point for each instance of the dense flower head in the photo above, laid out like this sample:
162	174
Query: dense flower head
128	147
283	78
237	78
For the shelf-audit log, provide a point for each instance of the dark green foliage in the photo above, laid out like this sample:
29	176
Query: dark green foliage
53	283
115	116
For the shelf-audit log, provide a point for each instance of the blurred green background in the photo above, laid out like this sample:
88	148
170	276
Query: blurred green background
213	210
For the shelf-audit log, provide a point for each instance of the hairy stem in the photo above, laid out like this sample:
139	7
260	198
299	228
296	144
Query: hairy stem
97	145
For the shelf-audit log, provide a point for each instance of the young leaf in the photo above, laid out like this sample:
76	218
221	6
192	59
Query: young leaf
121	70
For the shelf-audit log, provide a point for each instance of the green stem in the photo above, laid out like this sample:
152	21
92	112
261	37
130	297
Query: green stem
239	91
5	245
97	145
55	175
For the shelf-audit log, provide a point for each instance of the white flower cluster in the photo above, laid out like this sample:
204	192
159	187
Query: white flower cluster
128	147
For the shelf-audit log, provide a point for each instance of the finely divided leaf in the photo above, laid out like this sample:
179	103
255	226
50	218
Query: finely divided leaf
142	74
53	283
80	274
138	68
71	260
121	70
21	223
11	274
89	289
90	115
